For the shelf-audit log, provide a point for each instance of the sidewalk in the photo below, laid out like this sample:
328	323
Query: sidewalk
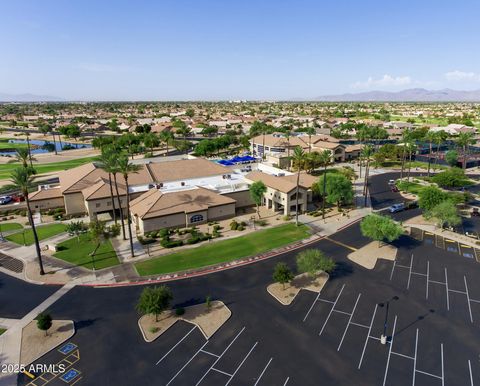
11	340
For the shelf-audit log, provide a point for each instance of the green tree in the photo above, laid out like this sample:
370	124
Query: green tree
151	140
450	178
257	191
126	168
339	189
451	157
22	179
154	300
380	228
108	162
76	228
282	274
464	140
429	197
446	214
44	322
324	159
312	261
299	160
167	138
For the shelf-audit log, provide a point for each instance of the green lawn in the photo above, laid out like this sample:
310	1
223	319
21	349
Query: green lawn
2	330
410	187
6	169
224	251
77	252
4	144
10	226
43	232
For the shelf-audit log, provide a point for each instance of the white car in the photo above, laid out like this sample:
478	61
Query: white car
391	182
5	200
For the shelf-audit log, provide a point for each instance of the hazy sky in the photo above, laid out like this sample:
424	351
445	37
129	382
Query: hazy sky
124	50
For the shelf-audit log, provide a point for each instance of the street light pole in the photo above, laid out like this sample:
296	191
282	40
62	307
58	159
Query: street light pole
383	337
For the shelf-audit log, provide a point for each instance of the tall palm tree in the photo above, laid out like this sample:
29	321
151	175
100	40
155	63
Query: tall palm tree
411	149
22	178
310	131
464	140
150	140
126	168
325	159
288	134
23	157
108	164
27	134
406	137
299	158
431	138
367	153
167	138
441	136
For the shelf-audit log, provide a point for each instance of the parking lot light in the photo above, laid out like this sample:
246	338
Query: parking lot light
383	337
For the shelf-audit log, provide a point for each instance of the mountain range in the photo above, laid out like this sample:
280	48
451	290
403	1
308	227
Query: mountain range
28	98
409	95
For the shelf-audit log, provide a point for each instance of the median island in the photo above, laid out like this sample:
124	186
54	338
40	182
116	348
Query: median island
224	251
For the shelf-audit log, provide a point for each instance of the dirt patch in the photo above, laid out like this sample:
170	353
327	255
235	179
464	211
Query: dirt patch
35	344
368	255
299	282
208	321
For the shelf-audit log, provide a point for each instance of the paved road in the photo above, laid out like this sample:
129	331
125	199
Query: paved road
332	340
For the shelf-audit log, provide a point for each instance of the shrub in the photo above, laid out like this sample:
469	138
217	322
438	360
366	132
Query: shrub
240	228
154	330
171	243
163	232
233	225
313	260
287	217
179	311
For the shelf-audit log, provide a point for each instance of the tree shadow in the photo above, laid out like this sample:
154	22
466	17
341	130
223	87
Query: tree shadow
342	269
85	323
191	302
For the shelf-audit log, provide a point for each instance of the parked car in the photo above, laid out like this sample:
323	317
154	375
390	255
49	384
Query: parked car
391	182
5	200
475	212
397	208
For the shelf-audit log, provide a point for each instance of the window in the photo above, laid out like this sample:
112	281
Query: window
109	203
196	218
97	205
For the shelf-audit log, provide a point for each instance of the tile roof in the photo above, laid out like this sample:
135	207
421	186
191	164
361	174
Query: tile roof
154	203
44	194
284	184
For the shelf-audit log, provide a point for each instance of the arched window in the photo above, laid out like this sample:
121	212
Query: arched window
196	218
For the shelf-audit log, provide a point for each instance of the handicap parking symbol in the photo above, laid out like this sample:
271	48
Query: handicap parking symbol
69	375
65	349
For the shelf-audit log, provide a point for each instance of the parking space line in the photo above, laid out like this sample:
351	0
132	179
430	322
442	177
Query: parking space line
186	364
342	312
428	276
446	288
210	353
263	372
348	324
393	269
311	307
458	292
432	375
368	336
180	341
415	358
470	371
402	355
325	301
436	282
403	266
286	381
410	272
223	352
241	364
220	371
359	325
330	313
390	351
468	298
443	368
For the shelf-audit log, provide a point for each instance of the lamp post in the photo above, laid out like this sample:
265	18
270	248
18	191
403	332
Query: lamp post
383	337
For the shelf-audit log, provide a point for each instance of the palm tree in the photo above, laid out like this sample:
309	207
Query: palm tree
464	140
362	135
310	131
22	178
441	136
27	134
406	137
411	148
430	137
325	159
167	138
23	156
108	164
367	152
299	158
151	140
126	168
288	134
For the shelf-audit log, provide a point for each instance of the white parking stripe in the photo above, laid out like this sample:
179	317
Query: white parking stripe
393	269
446	287
220	356
390	351
468	298
263	372
410	272
311	307
428	277
330	313
470	370
348	324
186	364
241	364
180	341
286	381
368	336
415	358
